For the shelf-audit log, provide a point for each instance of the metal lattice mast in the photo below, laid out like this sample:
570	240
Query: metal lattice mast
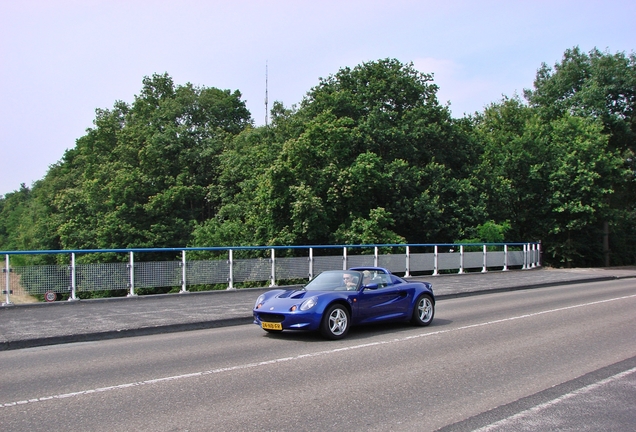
266	101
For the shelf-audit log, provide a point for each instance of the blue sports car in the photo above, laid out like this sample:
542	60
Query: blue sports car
335	300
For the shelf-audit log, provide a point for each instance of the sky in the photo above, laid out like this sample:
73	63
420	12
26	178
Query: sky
60	60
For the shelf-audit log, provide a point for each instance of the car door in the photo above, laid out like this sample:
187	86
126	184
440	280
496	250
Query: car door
388	301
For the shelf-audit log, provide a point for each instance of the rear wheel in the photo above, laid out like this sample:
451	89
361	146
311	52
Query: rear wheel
335	322
424	310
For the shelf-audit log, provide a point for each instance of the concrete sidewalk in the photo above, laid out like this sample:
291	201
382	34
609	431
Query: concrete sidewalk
30	325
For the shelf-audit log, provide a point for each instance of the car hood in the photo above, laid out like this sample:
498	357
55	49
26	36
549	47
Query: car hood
292	294
284	299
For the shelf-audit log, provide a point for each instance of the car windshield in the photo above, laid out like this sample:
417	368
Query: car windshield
335	280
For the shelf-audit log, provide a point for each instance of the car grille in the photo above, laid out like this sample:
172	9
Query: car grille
270	317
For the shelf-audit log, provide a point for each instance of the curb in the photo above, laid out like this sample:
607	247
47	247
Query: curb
525	287
118	334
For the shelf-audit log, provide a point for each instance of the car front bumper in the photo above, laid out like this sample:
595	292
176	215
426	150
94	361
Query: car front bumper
289	321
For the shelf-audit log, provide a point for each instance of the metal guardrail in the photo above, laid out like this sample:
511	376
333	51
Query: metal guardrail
132	275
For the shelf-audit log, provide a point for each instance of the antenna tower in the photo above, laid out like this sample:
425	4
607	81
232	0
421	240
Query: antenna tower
266	109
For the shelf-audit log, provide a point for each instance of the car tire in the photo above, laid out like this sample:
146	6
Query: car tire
423	311
335	322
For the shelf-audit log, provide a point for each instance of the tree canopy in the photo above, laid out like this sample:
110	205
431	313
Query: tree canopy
368	156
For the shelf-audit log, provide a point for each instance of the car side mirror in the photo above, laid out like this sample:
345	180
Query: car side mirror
372	286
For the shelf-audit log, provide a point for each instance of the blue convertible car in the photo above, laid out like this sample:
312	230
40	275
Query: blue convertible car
336	300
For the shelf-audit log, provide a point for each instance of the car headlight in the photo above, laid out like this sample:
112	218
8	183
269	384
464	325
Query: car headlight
309	303
259	301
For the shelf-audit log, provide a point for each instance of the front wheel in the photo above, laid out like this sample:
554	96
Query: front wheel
424	310
335	322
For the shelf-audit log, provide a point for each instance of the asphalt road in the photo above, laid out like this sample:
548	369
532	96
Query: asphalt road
504	361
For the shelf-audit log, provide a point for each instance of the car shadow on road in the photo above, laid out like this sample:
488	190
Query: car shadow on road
362	332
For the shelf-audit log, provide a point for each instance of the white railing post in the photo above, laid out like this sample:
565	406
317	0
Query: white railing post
344	258
525	257
505	266
538	254
408	262
230	279
461	259
272	281
73	279
529	259
131	264
184	284
435	262
7	279
311	263
534	255
375	256
483	269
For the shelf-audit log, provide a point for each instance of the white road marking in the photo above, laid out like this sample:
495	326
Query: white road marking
537	408
301	356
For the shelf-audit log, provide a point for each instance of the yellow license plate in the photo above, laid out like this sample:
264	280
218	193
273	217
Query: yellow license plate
272	326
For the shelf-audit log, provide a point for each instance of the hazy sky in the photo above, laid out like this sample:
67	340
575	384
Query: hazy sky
62	59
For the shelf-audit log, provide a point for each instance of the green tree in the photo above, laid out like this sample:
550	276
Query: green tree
371	147
13	208
142	176
488	232
508	168
581	175
551	177
242	218
599	85
596	84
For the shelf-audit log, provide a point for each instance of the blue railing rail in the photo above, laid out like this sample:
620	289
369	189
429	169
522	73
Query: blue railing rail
399	258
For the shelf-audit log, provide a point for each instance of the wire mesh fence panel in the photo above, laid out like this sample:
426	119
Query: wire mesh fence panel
252	269
448	261
515	258
292	268
16	290
207	272
422	262
157	274
324	263
102	277
473	260
43	278
394	263
495	259
360	261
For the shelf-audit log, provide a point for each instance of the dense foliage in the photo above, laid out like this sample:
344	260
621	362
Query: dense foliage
368	156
